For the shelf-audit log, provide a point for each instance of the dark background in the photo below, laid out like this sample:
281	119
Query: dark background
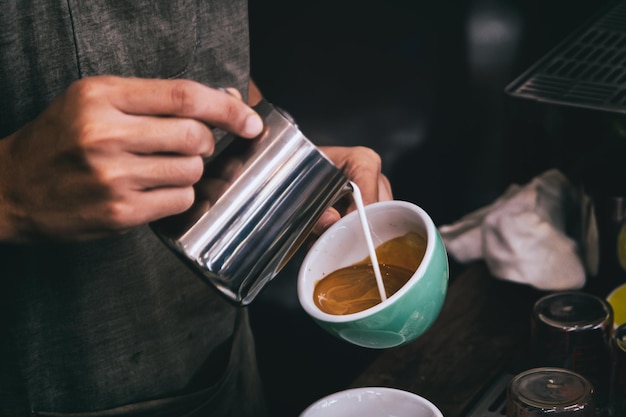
422	83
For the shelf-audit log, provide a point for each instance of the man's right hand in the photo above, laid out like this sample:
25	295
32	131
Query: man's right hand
110	154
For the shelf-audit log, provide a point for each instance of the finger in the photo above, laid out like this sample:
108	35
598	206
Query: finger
134	208
362	166
186	98
150	205
327	219
147	135
232	91
144	172
164	171
332	215
385	192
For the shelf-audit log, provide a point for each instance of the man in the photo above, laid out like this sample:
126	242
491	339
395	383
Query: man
107	110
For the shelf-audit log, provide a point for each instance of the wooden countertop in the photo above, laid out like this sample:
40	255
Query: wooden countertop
482	331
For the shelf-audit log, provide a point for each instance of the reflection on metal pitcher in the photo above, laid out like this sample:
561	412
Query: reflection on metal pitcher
255	204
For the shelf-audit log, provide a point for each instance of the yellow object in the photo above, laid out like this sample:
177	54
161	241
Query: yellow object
617	299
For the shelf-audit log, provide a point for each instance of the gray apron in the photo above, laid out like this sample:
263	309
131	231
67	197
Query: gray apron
236	393
118	326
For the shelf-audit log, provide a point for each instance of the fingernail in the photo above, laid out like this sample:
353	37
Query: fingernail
253	125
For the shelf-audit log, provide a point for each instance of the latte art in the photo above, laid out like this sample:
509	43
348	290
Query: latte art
353	288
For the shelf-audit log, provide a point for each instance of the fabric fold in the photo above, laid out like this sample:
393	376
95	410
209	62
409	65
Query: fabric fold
543	234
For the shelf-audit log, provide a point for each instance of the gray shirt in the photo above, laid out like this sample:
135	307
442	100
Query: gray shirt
118	326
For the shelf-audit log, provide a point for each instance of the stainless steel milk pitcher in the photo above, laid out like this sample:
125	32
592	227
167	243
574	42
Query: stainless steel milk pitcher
255	204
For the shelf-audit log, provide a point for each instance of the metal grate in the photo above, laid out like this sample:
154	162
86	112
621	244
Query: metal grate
493	402
587	70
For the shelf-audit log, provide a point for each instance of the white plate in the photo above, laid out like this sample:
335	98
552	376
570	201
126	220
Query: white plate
372	402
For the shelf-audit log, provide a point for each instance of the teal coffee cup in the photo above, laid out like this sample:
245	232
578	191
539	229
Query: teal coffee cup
403	316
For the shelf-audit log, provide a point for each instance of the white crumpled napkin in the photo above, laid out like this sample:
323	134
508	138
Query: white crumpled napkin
543	234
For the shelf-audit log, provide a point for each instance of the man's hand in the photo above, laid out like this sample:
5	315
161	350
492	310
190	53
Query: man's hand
112	153
363	167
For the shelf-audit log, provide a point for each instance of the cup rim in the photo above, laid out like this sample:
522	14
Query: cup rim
388	390
431	232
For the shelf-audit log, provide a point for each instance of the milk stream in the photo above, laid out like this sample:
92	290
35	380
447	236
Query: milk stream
358	199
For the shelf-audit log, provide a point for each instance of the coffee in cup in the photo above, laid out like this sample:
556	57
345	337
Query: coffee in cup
406	313
353	288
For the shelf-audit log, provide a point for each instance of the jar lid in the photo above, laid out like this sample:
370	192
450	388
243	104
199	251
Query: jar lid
551	389
573	310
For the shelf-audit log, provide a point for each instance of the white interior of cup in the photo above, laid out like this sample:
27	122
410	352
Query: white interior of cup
343	244
372	401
